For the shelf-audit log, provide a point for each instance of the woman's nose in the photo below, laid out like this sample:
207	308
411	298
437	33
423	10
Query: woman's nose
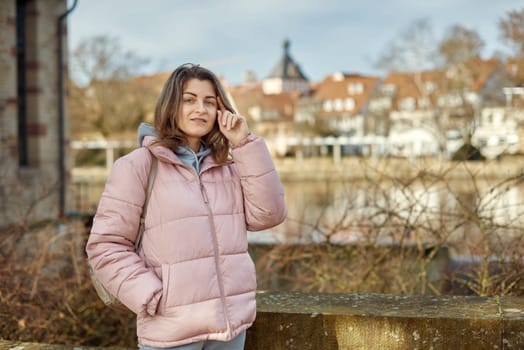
200	106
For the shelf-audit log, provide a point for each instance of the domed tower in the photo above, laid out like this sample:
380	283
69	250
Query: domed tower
286	76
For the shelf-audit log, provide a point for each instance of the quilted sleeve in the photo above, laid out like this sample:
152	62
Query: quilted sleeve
263	192
110	247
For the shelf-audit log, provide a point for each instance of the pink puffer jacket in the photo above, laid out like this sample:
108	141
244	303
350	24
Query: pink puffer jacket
193	279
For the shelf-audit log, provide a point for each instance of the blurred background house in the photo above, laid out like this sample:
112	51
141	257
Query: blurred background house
405	114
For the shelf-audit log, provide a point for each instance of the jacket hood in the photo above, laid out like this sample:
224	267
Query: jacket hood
145	129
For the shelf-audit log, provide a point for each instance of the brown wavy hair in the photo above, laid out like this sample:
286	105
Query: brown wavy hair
169	104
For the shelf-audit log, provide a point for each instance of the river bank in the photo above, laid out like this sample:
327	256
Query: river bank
356	168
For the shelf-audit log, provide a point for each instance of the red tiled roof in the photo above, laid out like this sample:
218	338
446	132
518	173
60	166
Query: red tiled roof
336	86
481	71
410	84
414	84
248	96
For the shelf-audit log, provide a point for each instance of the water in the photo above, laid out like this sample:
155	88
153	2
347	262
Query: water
462	214
427	210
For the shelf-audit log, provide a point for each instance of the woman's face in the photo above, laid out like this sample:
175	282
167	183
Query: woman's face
198	111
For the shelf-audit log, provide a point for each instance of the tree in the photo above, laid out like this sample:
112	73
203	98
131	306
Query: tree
460	45
512	33
467	152
102	58
106	97
442	82
411	60
413	50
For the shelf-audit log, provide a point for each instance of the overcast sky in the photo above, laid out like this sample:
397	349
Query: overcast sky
233	36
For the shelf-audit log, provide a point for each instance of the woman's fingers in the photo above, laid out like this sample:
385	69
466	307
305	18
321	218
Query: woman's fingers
229	120
232	125
224	116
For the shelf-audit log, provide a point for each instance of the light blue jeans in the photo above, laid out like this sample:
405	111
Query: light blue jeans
234	344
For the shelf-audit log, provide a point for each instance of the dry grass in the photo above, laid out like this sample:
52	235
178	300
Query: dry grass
46	293
392	234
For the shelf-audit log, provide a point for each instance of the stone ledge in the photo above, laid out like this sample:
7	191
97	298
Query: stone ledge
377	321
15	345
322	321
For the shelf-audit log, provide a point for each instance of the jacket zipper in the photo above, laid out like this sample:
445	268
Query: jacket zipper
215	244
215	249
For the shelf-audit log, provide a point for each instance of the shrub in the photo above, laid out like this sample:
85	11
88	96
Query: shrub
467	152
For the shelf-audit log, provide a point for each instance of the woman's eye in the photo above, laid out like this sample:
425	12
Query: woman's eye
211	103
189	100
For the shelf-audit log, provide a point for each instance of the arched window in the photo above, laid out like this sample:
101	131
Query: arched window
328	105
339	105
349	104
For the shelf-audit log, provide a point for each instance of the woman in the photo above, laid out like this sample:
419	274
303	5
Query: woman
192	284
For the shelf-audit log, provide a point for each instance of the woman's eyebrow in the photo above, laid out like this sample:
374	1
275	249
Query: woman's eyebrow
193	94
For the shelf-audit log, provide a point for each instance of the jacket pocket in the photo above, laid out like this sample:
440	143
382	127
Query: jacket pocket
189	282
166	282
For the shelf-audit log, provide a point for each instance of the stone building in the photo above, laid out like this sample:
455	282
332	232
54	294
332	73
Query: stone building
270	104
33	123
286	76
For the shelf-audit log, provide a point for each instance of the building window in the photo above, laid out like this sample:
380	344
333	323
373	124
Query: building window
339	105
430	86
328	106
349	104
449	101
472	98
423	102
498	119
407	104
380	103
21	10
388	89
355	88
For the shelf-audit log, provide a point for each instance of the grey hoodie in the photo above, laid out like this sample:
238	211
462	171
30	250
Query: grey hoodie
185	153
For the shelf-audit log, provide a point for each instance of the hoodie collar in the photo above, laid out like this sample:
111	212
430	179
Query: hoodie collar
147	136
192	158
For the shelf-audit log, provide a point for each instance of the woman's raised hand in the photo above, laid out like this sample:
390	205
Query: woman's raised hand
233	126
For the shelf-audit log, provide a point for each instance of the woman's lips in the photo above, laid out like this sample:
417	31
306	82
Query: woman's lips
199	120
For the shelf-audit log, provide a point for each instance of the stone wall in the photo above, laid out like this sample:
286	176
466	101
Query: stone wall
29	190
303	321
380	321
